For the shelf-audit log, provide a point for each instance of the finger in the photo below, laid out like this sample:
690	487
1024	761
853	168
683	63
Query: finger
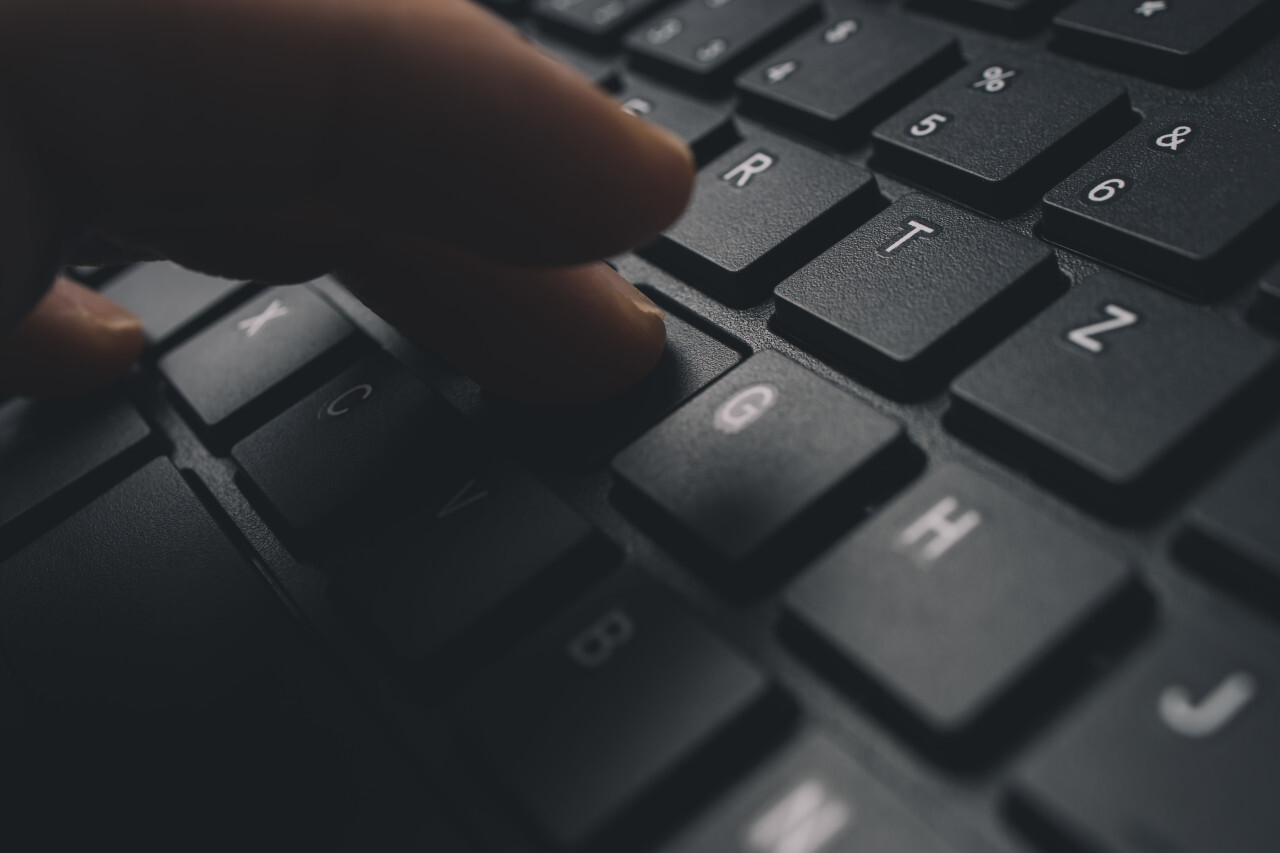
426	117
72	342
548	336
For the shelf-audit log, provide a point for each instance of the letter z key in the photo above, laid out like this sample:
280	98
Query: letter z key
1109	387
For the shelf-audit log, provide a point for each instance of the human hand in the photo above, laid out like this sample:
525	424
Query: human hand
461	183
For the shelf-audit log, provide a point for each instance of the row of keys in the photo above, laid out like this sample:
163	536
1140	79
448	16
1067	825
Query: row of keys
702	42
593	684
1164	202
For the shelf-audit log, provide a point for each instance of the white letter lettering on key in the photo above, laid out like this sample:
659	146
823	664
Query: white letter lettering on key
1084	336
745	408
804	821
1213	712
748	169
915	228
946	531
252	325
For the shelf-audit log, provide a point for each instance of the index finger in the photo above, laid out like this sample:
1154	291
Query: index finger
425	117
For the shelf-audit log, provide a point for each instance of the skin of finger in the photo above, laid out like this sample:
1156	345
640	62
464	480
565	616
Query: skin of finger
415	116
549	337
74	341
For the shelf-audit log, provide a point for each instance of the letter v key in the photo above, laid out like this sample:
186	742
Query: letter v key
465	497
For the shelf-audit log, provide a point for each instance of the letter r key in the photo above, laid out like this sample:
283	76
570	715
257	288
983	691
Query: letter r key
741	174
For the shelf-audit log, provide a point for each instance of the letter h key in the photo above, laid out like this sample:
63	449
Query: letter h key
953	594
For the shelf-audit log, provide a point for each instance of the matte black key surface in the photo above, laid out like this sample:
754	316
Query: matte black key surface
707	130
917	292
758	212
1110	384
599	23
170	299
999	133
47	447
954	594
616	701
838	80
812	798
1232	526
249	353
374	434
172	701
747	458
1177	753
704	43
466	564
1184	199
1167	40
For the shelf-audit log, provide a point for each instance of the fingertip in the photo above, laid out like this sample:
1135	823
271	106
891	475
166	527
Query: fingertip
549	337
75	341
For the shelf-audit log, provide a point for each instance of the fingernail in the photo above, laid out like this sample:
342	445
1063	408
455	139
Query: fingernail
97	309
644	303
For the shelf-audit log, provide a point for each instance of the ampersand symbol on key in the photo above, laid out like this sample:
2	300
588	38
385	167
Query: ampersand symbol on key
1174	138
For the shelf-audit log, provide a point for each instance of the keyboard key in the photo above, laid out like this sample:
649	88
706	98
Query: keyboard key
1172	201
812	799
372	436
622	701
999	133
598	23
704	43
1177	753
708	130
460	574
759	211
953	595
837	81
255	354
915	294
1109	386
171	300
1166	40
47	447
1231	528
737	468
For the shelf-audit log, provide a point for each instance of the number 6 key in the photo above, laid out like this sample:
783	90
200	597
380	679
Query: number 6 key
1170	202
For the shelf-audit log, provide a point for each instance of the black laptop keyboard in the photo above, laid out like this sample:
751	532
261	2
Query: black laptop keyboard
948	522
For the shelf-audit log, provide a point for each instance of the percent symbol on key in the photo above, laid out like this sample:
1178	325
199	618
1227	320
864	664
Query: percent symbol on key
993	78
